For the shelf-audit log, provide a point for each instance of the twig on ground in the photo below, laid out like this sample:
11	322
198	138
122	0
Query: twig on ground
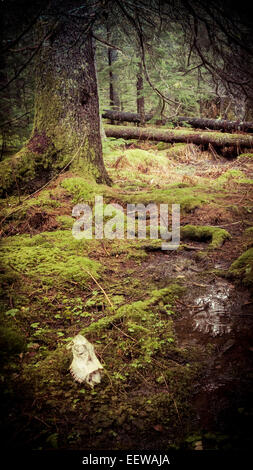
100	287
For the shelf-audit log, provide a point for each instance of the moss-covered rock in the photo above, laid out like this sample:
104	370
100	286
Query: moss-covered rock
189	198
204	233
242	268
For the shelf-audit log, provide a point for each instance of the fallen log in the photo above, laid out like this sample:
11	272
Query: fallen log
215	124
125	116
236	142
200	123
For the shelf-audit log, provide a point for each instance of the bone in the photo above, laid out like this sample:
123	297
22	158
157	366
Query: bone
85	366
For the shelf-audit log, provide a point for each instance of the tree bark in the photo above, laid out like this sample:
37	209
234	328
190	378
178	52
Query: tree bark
237	142
140	98
125	116
200	123
66	120
215	124
66	100
113	93
112	55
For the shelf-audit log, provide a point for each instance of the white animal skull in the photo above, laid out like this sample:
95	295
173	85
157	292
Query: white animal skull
85	366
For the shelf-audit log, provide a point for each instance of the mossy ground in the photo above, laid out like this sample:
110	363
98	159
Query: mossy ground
242	267
146	397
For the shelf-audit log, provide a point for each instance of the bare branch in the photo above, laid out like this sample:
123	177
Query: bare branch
26	30
18	73
15	119
138	28
106	43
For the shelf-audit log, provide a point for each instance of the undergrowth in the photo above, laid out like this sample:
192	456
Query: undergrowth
55	286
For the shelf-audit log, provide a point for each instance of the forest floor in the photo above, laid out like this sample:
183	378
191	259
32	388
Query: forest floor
173	329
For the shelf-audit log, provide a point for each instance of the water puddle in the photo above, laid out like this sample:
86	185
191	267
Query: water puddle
215	320
212	308
218	315
214	314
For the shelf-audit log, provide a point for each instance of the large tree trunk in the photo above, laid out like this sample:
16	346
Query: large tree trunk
66	121
200	123
237	142
66	103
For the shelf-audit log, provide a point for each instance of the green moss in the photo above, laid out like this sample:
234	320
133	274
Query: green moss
246	181
83	190
146	328
177	150
137	255
52	258
24	167
189	198
13	142
143	322
46	199
163	146
6	175
242	268
204	233
138	161
12	341
50	153
51	368
65	221
167	294
249	231
103	323
138	157
143	367
45	203
233	176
